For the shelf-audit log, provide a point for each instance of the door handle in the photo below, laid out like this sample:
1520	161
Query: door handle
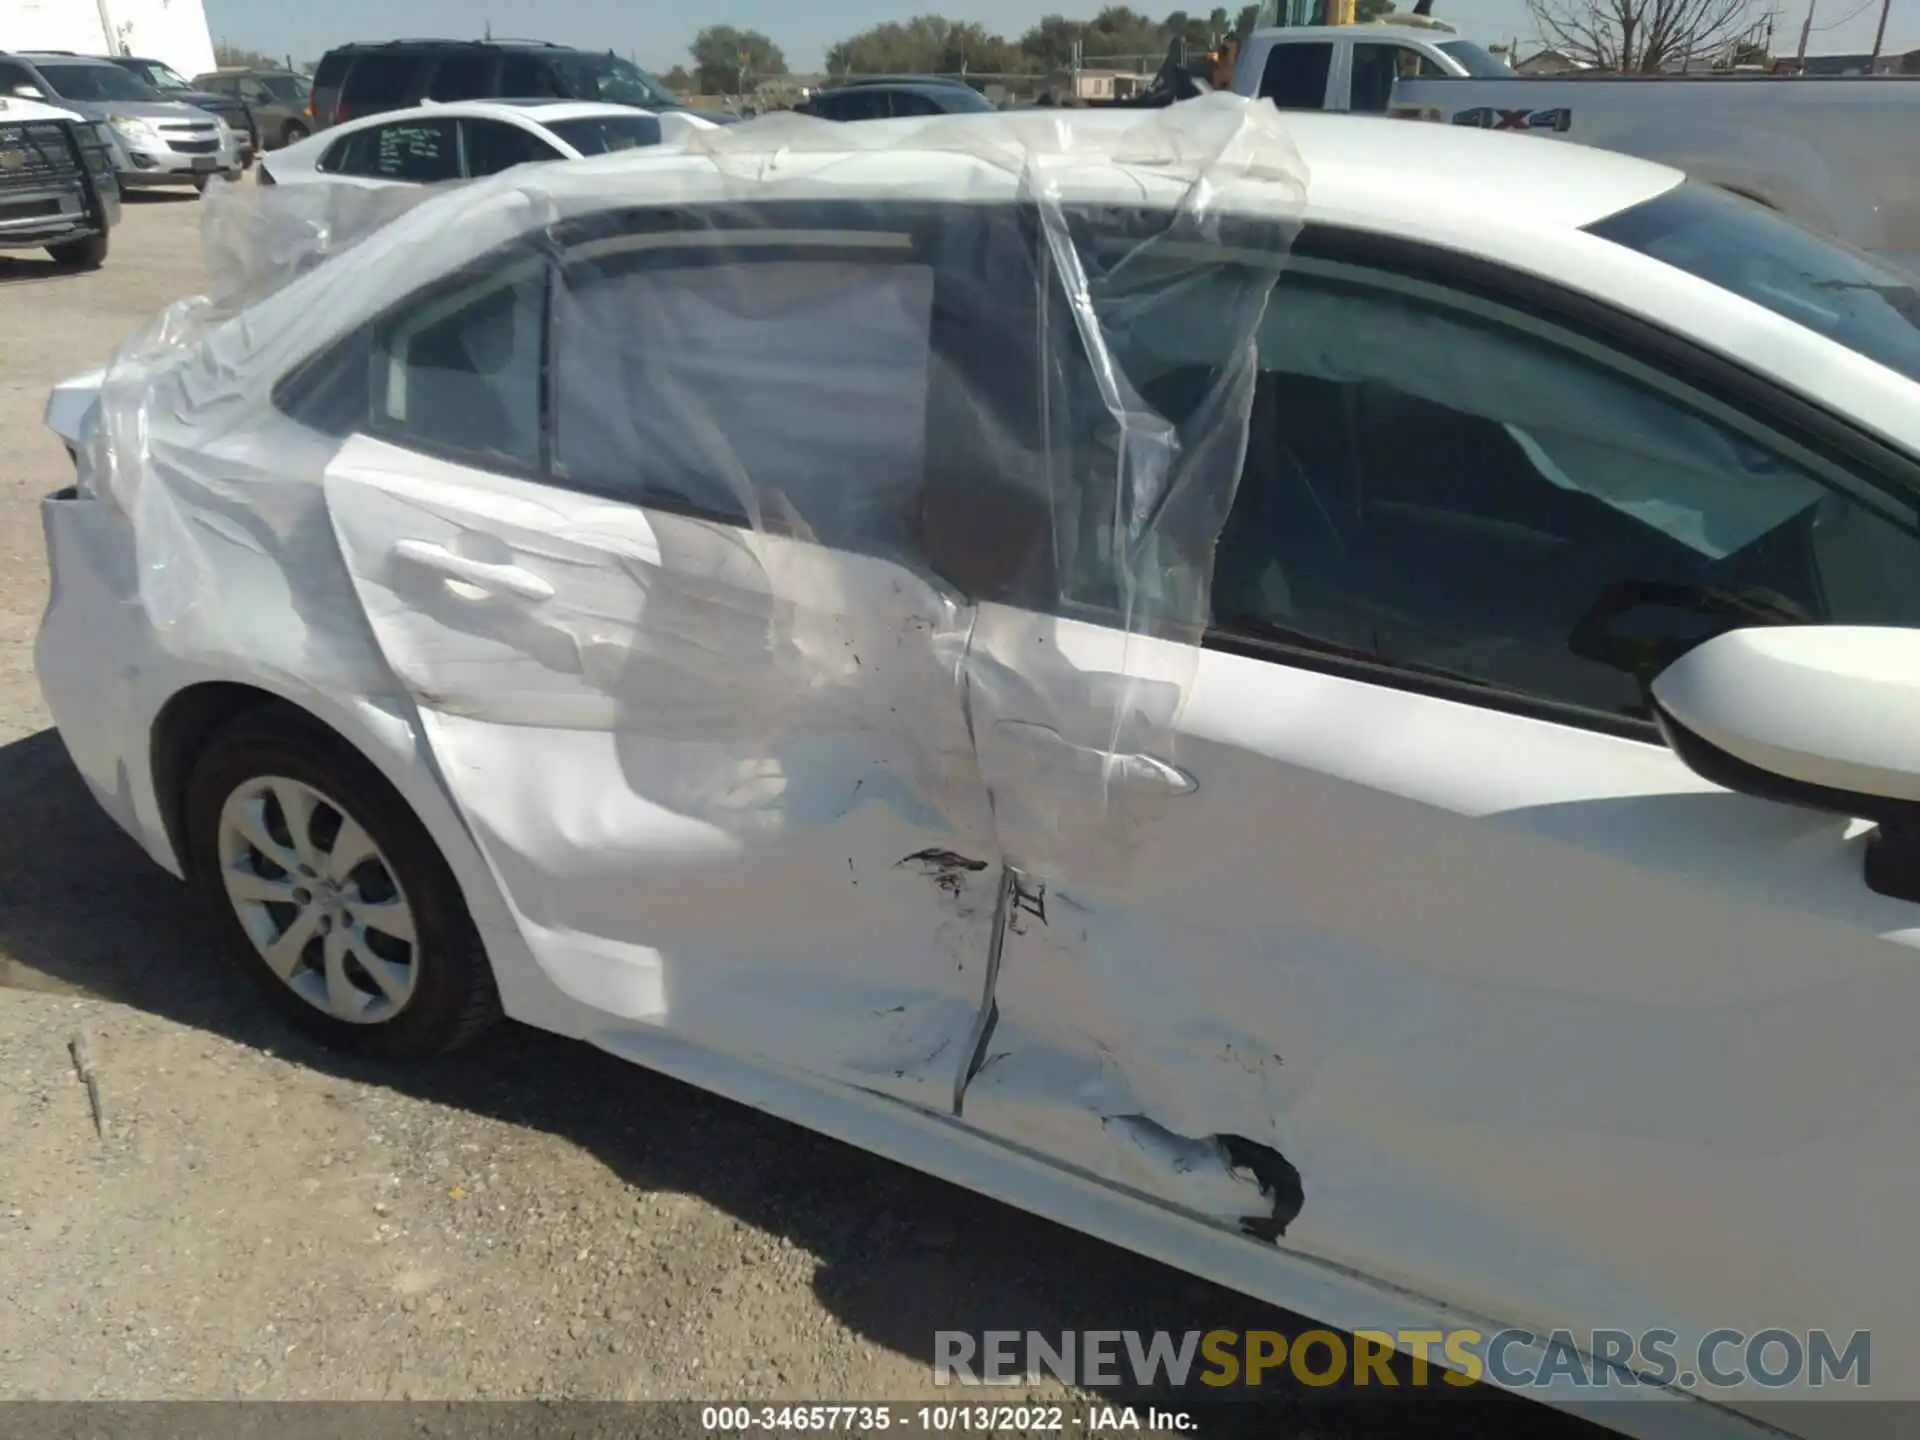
511	579
1128	773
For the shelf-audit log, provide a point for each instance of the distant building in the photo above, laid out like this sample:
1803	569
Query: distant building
1099	84
174	31
1547	62
1857	64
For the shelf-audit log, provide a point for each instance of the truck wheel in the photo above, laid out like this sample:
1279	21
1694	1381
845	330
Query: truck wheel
87	254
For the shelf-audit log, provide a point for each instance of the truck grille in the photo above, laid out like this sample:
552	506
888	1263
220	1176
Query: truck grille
194	147
36	153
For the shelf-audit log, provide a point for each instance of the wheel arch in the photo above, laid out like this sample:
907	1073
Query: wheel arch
179	737
387	739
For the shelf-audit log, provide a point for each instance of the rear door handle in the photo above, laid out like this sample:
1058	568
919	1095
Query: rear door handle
509	579
1128	773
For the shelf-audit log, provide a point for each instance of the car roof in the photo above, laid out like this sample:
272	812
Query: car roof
1367	169
549	112
1359	33
374	47
61	57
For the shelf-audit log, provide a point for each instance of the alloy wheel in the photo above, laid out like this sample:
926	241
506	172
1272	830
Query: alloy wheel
320	902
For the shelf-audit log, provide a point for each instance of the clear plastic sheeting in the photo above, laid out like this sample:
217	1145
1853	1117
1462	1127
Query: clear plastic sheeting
677	489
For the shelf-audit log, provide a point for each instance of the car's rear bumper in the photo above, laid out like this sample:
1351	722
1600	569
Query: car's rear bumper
93	651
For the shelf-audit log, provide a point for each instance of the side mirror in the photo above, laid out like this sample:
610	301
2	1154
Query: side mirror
1823	716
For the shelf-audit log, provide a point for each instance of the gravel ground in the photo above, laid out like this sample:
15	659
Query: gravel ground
261	1219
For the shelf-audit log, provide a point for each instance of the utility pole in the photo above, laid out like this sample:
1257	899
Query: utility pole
1806	31
1879	36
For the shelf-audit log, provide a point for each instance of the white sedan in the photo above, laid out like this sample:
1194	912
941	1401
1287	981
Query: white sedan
470	139
1344	717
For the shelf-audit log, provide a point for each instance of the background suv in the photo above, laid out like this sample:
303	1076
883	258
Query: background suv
276	100
355	81
886	97
172	85
158	141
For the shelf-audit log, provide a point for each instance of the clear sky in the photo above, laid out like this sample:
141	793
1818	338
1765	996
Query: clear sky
657	33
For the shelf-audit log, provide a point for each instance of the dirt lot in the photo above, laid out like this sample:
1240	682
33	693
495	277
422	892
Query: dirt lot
263	1220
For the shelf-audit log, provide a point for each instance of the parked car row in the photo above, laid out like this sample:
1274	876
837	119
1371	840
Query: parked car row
153	139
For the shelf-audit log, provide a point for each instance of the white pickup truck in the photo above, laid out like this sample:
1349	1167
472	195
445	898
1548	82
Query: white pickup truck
1834	153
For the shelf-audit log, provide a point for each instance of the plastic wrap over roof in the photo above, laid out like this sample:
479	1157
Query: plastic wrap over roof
898	389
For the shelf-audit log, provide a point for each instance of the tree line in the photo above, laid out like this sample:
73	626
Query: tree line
728	60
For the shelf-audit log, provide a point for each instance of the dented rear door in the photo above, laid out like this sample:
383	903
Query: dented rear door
711	746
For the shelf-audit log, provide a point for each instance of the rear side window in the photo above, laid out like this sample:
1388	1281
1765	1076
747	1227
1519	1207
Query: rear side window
459	373
603	134
864	103
530	77
333	69
1758	255
1376	67
381	82
494	145
462	76
418	152
1296	76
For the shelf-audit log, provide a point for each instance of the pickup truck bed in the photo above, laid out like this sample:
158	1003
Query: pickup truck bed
1833	152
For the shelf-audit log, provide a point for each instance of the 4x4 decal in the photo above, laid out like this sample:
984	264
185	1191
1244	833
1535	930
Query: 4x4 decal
1487	117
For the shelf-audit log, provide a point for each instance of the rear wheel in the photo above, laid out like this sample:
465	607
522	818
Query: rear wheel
293	134
331	892
87	254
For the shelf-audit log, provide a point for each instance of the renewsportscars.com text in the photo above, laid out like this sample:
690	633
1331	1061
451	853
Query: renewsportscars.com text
1773	1359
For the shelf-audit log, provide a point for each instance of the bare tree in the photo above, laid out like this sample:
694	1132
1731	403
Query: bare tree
1640	36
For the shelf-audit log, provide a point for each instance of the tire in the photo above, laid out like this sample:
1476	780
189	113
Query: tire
293	133
338	963
87	254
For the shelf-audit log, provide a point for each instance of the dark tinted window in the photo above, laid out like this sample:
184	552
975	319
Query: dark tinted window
420	152
97	82
381	82
857	103
462	75
1376	67
605	133
1439	485
12	75
459	371
333	69
494	145
910	102
1296	76
528	77
1761	256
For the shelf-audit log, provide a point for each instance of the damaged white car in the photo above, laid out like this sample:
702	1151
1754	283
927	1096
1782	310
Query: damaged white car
1298	703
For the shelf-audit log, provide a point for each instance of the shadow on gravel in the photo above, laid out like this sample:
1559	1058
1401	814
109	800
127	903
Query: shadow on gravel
82	910
27	267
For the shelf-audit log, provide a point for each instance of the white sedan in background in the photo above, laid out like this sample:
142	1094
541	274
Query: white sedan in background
470	139
1375	762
